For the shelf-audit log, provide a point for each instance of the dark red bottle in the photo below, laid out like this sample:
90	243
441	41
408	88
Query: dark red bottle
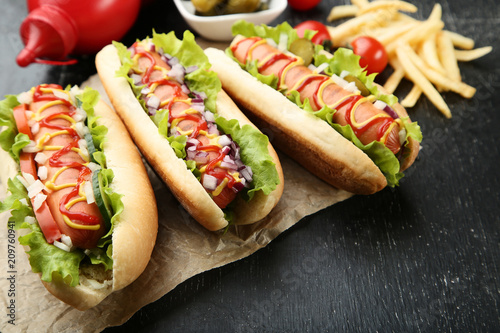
55	29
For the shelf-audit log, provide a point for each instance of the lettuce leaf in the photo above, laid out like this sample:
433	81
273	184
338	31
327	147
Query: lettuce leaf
254	153
343	60
46	258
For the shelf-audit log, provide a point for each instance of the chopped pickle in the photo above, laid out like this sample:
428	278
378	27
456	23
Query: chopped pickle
303	48
361	87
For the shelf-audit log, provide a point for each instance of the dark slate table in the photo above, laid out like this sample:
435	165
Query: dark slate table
423	257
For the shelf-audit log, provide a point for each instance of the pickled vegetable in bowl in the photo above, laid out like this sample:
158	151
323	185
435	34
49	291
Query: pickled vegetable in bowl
224	7
218	27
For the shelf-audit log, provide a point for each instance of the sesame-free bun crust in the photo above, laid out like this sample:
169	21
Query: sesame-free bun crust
156	149
309	140
135	229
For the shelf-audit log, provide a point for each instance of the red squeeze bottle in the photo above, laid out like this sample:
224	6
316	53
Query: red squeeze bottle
54	29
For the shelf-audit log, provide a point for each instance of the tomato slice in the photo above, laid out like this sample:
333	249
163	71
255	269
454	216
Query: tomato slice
47	223
27	164
21	120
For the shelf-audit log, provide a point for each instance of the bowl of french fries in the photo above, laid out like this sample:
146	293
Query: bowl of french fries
421	51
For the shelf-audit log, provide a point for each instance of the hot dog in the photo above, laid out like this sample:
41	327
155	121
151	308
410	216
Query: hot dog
361	139
211	157
77	184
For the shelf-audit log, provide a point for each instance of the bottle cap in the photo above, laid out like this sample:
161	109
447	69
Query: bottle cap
48	34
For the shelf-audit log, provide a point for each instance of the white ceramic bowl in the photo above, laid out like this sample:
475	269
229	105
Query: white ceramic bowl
218	28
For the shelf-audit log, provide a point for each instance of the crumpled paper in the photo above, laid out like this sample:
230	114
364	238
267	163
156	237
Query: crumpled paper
183	249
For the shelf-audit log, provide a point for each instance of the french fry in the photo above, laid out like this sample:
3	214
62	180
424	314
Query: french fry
419	79
393	81
339	12
469	55
411	99
360	3
394	33
460	41
447	56
420	51
343	31
439	80
387	4
428	52
416	35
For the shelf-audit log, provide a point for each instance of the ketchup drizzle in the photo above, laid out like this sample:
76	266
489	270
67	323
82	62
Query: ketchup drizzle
55	159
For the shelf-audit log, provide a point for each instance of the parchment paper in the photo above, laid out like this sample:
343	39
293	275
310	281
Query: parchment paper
183	249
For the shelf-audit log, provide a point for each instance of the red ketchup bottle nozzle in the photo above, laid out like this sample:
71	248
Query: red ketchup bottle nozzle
47	32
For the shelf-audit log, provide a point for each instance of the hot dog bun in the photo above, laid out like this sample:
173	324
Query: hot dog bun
312	141
183	184
135	230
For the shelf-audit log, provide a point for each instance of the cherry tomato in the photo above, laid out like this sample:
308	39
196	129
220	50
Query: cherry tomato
372	53
303	4
322	34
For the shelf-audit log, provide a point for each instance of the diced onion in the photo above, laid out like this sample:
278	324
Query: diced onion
81	129
62	246
136	78
200	107
38	201
23	181
73	92
25	97
35	188
89	192
201	157
42	172
224	140
228	165
93	166
172	61
344	73
192	142
82	144
339	81
41	158
209	116
321	67
351	87
28	178
31	147
145	90
35	128
246	173
185	89
153	102
66	240
271	42
177	72
402	136
191	69
209	182
31	122
30	219
283	42
379	104
60	94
